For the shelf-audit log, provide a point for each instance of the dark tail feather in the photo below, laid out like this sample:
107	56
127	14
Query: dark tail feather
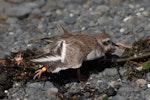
64	30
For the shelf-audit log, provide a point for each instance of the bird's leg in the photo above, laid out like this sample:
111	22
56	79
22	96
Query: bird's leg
80	78
78	74
39	72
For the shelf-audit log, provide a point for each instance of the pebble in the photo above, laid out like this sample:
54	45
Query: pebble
102	8
140	82
36	4
122	30
118	97
148	76
111	92
114	2
20	11
110	71
70	20
11	20
148	85
145	13
126	19
46	90
115	84
52	91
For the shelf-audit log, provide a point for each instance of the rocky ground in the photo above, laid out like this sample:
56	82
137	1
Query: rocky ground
126	21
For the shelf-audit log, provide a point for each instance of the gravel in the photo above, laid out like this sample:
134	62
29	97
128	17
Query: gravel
125	20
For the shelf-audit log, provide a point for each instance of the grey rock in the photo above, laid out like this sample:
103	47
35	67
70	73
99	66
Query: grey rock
47	85
114	2
1	9
19	31
110	71
11	20
118	97
36	11
52	91
102	8
16	1
98	2
20	11
36	4
111	92
122	71
70	20
40	3
126	90
148	76
140	82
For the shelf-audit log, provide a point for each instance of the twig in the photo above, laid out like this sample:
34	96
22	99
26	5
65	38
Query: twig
134	58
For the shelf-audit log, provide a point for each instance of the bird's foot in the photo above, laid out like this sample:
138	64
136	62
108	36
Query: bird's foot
81	78
39	72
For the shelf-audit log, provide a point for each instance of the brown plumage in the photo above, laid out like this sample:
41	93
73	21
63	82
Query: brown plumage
70	50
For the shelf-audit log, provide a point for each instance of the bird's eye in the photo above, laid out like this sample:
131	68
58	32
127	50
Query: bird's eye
106	42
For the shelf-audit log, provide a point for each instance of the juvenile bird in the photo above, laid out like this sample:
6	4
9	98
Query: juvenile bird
70	50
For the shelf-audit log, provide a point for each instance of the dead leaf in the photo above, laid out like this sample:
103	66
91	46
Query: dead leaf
19	59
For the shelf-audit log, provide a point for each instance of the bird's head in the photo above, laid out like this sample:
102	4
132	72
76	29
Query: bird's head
105	41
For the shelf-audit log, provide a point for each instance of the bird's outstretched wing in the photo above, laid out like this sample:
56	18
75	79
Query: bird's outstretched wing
52	39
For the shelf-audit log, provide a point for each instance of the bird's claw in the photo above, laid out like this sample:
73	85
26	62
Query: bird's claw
38	73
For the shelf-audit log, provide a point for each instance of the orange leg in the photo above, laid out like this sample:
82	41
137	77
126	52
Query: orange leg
79	74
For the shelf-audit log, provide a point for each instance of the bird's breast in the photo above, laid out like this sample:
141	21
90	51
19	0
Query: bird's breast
94	55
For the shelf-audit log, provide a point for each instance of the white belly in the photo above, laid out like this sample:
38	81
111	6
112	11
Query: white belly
94	55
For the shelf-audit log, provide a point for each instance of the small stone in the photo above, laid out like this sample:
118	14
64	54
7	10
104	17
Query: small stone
19	31
111	92
70	20
52	91
141	9
102	8
140	82
114	2
127	18
11	33
15	1
122	71
11	20
115	84
36	4
148	76
34	85
110	71
139	14
145	13
131	6
40	3
36	11
59	12
118	97
122	30
148	85
20	11
47	85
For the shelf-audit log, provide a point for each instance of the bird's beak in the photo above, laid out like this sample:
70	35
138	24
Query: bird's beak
113	47
114	44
